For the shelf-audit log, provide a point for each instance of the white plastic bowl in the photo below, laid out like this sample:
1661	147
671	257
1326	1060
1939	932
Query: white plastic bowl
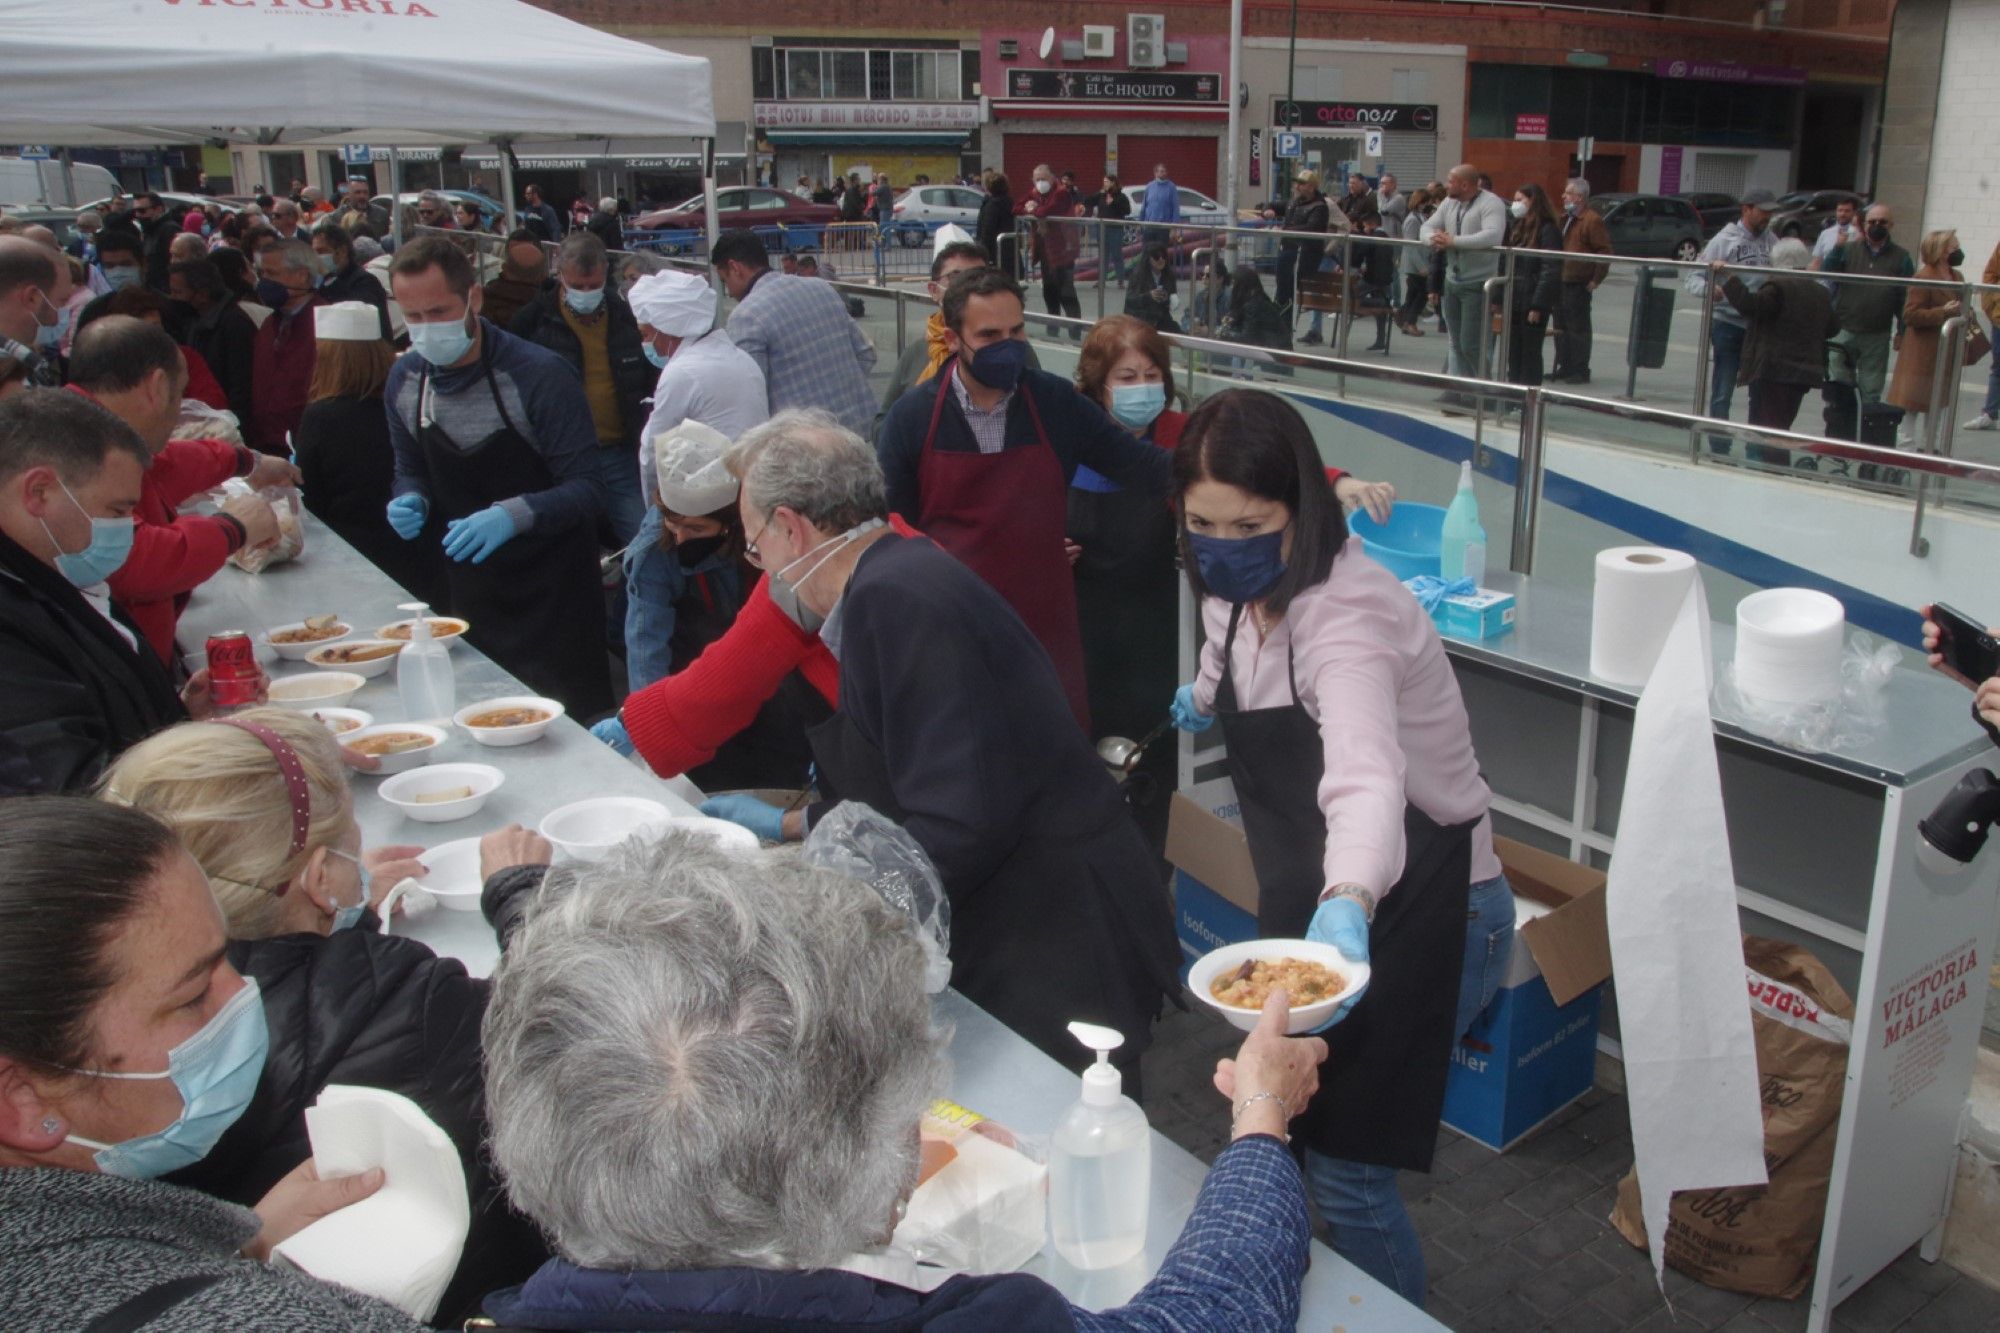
729	837
315	692
448	640
586	830
368	669
336	720
401	791
296	652
1304	1017
451	875
500	737
407	759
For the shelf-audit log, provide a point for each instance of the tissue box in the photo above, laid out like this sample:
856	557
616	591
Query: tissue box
1480	615
1534	1049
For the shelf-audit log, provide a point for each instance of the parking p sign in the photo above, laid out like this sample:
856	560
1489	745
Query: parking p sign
1291	143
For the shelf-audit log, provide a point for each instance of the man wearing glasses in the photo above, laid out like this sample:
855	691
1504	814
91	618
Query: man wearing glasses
434	210
159	231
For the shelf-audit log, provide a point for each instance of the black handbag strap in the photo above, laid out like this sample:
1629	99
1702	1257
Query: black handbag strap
136	1311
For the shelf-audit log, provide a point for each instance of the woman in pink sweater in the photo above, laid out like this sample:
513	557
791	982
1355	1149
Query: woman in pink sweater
1366	814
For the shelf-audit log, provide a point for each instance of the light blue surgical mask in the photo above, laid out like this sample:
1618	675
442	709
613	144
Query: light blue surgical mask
48	335
110	544
344	918
443	343
654	355
584	303
215	1071
1135	405
121	276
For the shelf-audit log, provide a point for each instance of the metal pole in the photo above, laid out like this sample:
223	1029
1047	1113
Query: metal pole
69	180
1527	486
1235	128
1702	341
507	184
1502	355
1485	343
709	222
1103	263
395	198
902	323
1345	315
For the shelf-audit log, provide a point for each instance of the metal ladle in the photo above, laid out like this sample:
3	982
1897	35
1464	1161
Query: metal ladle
1123	755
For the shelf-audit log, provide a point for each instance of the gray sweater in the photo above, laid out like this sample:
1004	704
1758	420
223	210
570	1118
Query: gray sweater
73	1244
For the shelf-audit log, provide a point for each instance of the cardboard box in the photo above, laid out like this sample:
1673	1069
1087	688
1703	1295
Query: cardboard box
1484	614
1215	884
1534	1049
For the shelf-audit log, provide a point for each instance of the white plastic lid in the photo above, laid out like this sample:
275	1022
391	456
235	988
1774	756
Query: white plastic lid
420	614
1103	1085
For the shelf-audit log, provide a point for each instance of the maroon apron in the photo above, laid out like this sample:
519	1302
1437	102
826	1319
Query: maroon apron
1005	516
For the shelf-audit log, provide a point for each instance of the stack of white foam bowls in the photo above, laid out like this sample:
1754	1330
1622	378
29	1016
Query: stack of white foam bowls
1788	646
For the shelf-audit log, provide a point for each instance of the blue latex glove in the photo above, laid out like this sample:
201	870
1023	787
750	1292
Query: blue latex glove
1342	923
479	535
1184	713
766	821
1429	590
612	732
407	514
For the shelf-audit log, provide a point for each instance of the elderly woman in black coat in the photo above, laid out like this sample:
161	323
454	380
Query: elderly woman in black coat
1791	317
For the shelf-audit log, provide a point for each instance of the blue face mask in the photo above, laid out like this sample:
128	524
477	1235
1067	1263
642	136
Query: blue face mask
999	365
654	355
121	276
215	1071
48	335
443	343
1135	405
345	917
273	293
110	544
1240	569
584	303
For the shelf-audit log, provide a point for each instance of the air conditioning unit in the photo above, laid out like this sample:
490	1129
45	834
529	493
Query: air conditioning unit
1071	50
1099	41
1146	40
1010	48
1177	53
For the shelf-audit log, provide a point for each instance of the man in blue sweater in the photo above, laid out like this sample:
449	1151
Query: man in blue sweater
496	457
1162	201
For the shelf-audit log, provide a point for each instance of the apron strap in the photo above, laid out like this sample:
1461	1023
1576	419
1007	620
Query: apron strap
937	407
1227	685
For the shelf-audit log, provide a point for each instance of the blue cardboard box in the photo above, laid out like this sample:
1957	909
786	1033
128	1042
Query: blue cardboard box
1484	614
1534	1049
1215	884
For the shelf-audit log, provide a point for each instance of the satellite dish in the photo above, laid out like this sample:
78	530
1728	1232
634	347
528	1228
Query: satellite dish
1048	43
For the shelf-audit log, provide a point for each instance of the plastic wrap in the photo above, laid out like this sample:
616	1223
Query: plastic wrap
981	1204
284	502
1867	662
199	421
857	840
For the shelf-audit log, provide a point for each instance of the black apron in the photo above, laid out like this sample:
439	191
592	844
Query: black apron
536	605
1383	1088
1060	932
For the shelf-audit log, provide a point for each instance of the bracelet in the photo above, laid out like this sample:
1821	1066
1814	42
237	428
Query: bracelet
1254	1097
1359	895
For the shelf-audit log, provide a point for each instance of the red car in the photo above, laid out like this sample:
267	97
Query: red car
741	206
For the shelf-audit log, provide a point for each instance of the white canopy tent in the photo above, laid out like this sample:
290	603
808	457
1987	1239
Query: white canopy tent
389	73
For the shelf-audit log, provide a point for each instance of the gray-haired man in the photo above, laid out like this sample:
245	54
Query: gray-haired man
1584	233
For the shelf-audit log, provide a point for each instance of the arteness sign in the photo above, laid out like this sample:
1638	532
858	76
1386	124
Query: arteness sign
1069	85
1357	115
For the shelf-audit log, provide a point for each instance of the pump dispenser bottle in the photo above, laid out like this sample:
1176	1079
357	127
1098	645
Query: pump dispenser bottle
423	672
1100	1165
1462	546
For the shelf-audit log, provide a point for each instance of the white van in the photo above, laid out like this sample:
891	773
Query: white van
30	183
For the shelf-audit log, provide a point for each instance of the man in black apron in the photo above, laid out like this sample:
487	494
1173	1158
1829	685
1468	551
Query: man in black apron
495	459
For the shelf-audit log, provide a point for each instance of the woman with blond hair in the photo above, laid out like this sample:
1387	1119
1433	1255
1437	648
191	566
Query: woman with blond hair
261	802
342	446
1925	310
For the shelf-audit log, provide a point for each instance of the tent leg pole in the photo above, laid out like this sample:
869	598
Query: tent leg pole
395	198
507	185
710	223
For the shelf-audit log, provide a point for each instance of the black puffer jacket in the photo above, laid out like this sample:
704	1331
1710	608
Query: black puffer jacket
541	322
1537	281
377	1011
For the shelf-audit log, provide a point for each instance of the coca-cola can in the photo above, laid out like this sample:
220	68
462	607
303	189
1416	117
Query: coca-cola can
233	673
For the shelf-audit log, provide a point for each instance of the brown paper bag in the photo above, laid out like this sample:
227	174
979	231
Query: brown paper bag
1762	1239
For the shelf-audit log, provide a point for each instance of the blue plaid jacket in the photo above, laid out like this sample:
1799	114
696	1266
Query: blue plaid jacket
810	349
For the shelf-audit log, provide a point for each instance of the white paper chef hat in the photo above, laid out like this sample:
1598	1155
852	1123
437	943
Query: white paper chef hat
688	459
678	304
949	234
348	322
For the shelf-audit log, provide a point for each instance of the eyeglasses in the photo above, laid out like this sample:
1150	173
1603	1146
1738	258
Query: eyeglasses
750	551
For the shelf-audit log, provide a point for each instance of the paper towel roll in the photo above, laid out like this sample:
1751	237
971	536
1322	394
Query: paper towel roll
1638	592
1788	645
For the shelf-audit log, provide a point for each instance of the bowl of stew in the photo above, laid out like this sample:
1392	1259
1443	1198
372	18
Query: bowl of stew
515	719
367	658
1236	979
396	746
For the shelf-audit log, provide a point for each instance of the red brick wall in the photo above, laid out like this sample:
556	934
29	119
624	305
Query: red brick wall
1513	162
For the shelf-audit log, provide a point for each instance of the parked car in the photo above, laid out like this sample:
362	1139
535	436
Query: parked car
61	221
1196	207
176	202
923	208
1805	213
1653	226
1717	210
741	206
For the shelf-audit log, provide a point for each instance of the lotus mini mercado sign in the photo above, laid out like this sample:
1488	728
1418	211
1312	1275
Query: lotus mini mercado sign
867	115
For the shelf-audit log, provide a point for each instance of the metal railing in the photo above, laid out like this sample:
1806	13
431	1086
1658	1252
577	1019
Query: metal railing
1205	357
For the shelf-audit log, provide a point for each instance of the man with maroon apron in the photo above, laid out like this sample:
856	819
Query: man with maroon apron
495	459
979	458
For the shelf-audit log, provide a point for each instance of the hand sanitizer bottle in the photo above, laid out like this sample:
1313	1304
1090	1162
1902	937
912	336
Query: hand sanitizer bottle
1100	1165
1461	531
423	672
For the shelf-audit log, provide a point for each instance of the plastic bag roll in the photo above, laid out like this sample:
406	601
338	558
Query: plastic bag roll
1639	591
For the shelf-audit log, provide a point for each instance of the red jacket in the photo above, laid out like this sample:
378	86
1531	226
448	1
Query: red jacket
281	369
173	554
680	722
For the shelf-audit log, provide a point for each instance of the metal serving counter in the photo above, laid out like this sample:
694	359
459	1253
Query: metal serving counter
995	1072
